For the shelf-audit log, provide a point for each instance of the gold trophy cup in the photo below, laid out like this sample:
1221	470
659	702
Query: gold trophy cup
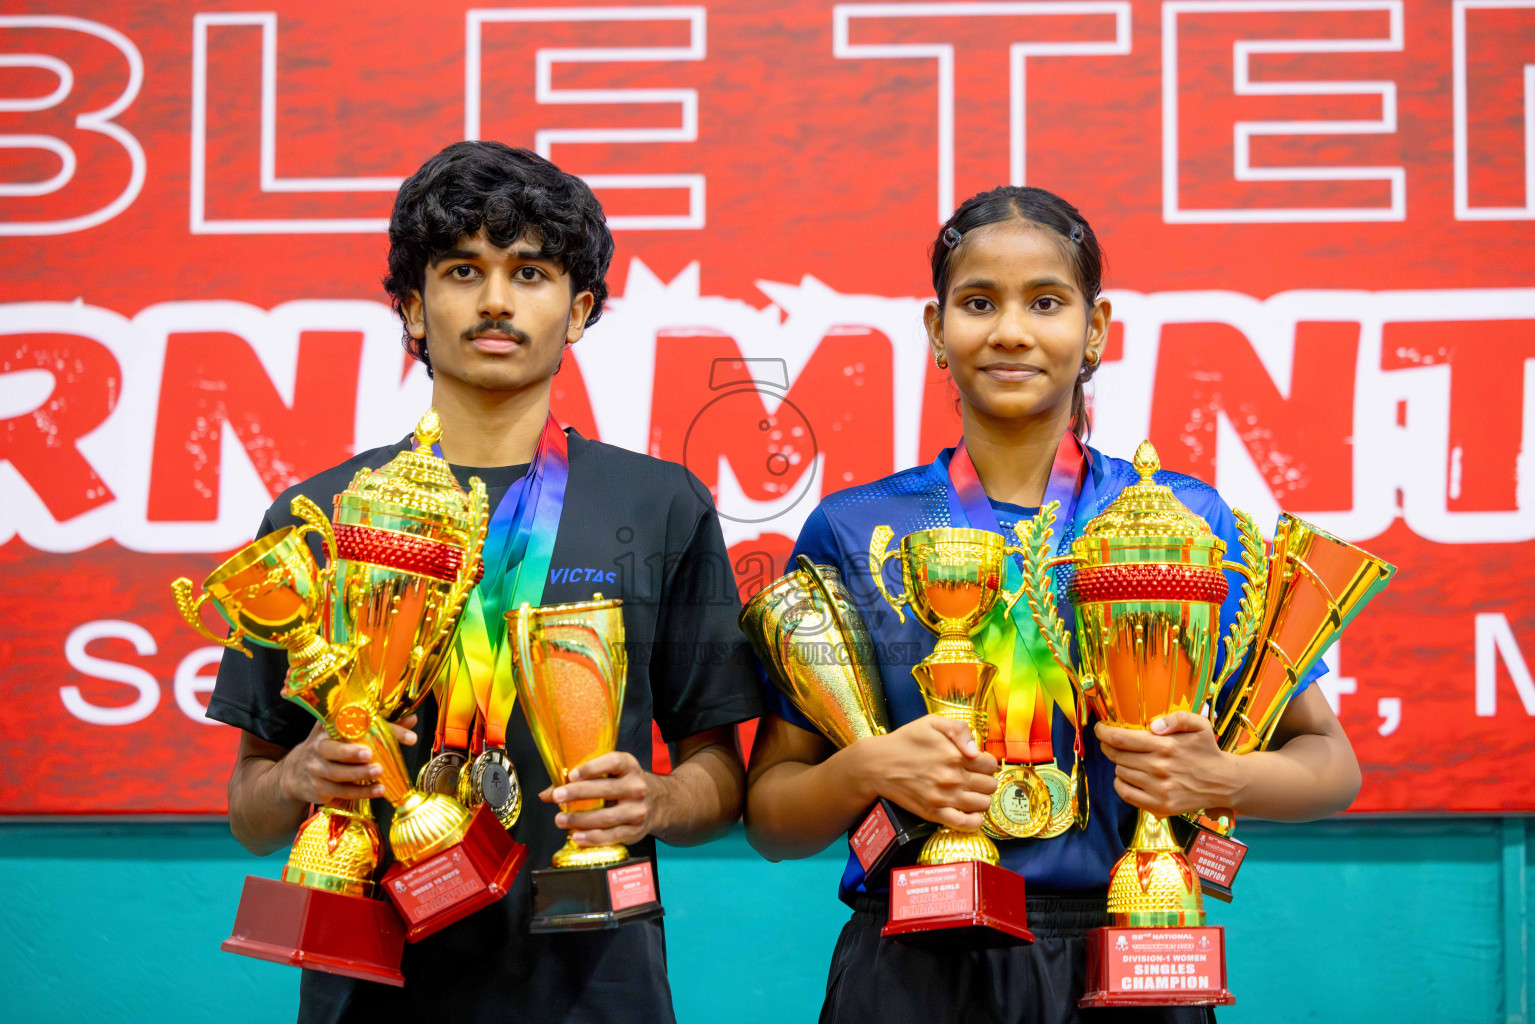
570	667
951	578
818	652
364	638
1148	589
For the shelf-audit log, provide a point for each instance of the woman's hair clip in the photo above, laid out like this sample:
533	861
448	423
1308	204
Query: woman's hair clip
1078	233
951	238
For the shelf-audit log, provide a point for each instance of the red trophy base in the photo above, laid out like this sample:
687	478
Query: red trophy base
969	905
888	836
451	885
1156	967
1215	859
354	936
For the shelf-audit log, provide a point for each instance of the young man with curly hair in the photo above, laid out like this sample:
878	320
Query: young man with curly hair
496	266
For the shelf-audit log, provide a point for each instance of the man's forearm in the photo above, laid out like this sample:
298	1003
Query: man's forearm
260	817
701	799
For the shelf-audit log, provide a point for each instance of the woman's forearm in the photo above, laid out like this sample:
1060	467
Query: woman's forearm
795	810
1310	777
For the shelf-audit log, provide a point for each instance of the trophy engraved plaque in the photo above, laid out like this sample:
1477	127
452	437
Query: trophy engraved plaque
364	638
951	578
570	668
817	650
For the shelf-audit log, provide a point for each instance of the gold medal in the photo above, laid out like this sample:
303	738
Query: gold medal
440	774
492	780
1020	808
1062	812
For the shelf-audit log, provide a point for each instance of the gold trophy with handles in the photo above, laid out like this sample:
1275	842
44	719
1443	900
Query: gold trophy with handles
364	638
570	667
1147	589
951	578
818	652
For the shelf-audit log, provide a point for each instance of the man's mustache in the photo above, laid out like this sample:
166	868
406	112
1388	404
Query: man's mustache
504	326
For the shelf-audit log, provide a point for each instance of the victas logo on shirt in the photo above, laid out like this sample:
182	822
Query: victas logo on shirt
577	575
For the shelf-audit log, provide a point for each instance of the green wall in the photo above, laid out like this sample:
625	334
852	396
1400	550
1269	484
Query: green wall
1353	920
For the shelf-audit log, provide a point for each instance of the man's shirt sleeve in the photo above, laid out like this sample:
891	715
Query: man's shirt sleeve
702	671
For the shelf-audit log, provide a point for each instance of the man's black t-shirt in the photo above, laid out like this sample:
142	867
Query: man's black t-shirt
632	527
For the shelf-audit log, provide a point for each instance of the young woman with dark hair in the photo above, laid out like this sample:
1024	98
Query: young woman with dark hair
1019	322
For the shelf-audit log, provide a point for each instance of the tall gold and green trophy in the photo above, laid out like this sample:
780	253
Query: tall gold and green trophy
817	651
1147	590
570	667
958	895
364	638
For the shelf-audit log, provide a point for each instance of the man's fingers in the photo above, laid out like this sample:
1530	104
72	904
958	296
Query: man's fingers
343	753
604	836
328	790
972	802
402	734
547	794
604	817
1126	739
1181	721
353	773
621	788
615	763
958	733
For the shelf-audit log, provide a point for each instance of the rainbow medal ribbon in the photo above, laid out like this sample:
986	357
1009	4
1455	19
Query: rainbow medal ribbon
1033	797
477	692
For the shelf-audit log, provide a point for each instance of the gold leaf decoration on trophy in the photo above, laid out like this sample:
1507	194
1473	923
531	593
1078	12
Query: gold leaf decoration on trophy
1034	537
1254	597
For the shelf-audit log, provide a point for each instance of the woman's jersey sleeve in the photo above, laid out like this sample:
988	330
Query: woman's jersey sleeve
818	541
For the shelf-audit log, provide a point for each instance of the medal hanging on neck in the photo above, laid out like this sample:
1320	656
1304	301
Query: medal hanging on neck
477	695
1034	798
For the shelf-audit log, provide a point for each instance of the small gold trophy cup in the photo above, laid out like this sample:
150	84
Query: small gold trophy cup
570	667
951	578
818	652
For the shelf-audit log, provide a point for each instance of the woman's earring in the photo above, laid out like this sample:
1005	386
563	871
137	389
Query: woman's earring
1092	358
940	362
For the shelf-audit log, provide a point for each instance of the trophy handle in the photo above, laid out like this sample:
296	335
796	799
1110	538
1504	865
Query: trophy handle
1034	541
191	610
317	522
879	554
1254	567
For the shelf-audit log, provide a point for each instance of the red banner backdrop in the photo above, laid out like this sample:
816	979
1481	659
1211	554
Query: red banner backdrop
1317	215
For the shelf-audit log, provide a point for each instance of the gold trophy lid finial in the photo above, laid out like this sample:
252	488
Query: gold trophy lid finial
1146	508
417	482
428	430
